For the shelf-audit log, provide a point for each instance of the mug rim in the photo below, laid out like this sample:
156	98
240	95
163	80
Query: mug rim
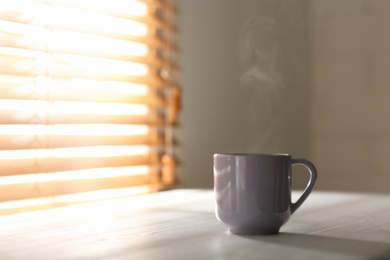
253	154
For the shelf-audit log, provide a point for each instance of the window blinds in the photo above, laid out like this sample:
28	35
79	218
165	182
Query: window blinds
89	99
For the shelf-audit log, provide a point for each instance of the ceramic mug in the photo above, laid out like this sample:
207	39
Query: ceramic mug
253	191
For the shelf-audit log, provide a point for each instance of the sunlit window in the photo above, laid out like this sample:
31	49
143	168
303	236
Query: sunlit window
89	100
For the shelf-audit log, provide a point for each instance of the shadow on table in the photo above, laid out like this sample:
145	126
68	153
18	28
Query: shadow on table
359	248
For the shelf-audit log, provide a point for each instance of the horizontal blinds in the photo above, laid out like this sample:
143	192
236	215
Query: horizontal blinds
89	97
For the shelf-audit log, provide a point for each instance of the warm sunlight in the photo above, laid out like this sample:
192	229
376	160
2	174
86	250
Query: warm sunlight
85	113
78	197
129	7
73	107
107	172
75	152
75	129
40	60
102	64
95	22
59	16
69	40
39	85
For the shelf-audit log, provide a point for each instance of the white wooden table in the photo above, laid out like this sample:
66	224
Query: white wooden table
181	224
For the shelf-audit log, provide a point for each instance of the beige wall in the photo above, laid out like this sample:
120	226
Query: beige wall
212	101
350	105
242	92
333	98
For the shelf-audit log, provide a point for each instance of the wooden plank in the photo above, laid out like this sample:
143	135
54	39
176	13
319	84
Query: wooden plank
181	225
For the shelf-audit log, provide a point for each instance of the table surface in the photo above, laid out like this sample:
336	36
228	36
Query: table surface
180	224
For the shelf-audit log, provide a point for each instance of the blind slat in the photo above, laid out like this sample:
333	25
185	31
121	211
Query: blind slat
31	117
56	188
22	62
57	16
86	101
29	166
82	93
18	10
41	141
92	46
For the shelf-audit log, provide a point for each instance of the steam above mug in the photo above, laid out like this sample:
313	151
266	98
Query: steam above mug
253	191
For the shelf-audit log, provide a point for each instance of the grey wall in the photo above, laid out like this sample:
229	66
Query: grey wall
306	77
213	104
245	81
350	122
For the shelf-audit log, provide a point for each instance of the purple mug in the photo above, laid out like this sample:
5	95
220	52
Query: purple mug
253	191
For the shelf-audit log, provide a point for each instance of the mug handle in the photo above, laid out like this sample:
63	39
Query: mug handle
310	184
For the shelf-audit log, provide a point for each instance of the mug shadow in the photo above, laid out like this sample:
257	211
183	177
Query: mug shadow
355	248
